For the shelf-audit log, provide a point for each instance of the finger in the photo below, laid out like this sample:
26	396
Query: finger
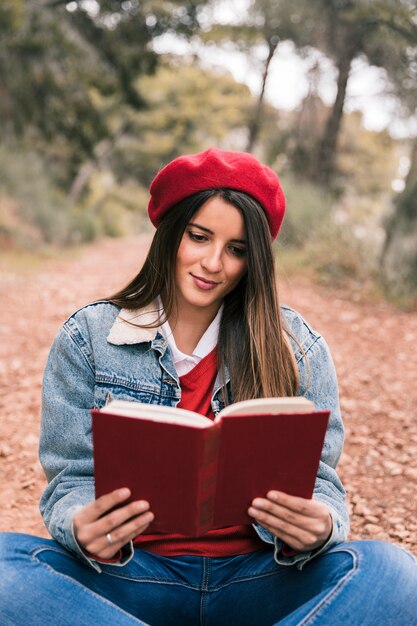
287	515
291	522
299	542
310	532
302	506
278	525
134	527
94	510
117	518
87	533
120	536
307	508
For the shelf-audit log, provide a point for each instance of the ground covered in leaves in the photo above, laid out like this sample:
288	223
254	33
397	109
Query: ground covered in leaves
373	345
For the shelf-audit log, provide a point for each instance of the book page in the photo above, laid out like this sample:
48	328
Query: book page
258	406
156	413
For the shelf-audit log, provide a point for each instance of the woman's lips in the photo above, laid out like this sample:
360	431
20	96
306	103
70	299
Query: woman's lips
203	283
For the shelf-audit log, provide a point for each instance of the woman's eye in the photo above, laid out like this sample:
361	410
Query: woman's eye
238	251
196	236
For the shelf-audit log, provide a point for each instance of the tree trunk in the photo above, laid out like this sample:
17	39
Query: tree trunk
322	166
399	255
86	170
255	123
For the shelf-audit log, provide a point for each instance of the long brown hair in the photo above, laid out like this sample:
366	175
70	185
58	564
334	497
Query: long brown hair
253	342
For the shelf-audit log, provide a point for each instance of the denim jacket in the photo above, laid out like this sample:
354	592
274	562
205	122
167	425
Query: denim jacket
97	356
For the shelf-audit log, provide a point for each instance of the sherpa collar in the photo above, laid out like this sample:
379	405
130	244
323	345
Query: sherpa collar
126	329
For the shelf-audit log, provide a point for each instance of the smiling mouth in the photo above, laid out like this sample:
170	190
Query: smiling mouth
203	283
205	280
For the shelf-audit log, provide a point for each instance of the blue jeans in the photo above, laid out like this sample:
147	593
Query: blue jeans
365	583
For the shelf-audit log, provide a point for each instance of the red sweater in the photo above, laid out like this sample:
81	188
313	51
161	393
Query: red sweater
196	392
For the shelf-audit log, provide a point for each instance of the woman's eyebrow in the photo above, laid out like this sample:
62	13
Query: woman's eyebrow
210	232
207	230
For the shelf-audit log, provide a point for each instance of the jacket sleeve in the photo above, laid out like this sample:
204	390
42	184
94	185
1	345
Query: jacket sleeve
65	450
318	383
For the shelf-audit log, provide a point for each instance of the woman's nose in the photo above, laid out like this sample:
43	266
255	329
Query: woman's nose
212	262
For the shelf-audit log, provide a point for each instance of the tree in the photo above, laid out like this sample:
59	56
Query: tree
262	25
343	30
69	84
188	115
58	58
181	116
346	30
399	254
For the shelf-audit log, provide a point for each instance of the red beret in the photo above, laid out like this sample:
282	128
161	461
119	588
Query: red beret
215	168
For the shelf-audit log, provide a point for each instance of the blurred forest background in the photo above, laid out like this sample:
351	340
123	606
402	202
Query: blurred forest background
96	96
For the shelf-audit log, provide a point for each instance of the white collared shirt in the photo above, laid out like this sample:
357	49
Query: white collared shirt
184	363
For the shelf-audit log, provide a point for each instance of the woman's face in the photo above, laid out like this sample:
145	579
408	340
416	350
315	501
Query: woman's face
211	258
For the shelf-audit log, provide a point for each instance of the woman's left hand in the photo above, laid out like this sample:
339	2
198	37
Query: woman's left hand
302	524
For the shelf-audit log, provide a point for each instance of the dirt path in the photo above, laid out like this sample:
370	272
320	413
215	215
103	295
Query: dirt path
373	348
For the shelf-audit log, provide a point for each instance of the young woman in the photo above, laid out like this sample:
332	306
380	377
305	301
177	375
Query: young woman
199	326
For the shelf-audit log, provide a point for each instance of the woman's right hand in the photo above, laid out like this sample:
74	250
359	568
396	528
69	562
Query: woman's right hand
94	525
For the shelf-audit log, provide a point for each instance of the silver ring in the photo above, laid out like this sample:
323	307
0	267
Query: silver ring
109	539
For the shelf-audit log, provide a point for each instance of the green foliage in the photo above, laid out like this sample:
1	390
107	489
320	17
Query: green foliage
308	214
367	161
56	57
200	110
110	209
335	258
11	15
334	241
68	75
46	96
187	110
34	210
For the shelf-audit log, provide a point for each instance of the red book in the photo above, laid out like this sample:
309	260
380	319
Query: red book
198	474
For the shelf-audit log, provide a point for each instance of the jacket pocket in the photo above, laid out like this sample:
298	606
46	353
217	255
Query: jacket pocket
114	387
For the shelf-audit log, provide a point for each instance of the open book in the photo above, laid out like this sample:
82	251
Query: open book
200	474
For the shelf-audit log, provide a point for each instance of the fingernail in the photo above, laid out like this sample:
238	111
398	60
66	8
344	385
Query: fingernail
124	493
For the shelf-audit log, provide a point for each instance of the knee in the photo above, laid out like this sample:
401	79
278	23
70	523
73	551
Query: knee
13	545
8	543
385	557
